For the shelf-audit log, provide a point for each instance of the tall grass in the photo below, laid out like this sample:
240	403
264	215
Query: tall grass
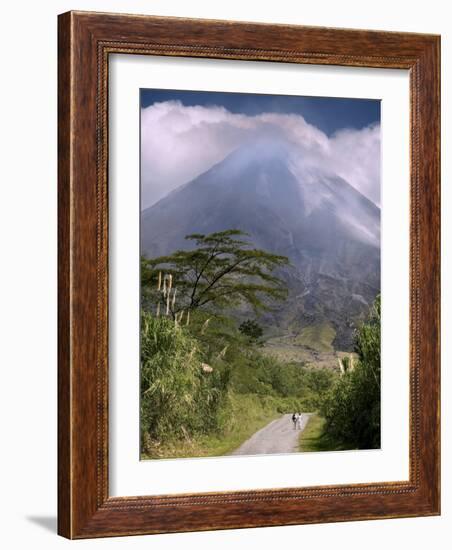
178	397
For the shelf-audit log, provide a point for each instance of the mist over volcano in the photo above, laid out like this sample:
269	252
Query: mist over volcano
292	206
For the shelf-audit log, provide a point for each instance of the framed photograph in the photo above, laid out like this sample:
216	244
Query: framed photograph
248	275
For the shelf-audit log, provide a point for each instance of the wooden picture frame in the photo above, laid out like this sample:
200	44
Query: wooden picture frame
86	40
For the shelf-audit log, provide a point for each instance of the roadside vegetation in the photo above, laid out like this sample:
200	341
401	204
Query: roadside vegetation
314	438
206	385
351	408
200	397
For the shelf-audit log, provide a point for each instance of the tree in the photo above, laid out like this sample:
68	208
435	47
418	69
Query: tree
221	271
252	330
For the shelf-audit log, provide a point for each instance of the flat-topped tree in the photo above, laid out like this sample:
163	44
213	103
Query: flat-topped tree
223	270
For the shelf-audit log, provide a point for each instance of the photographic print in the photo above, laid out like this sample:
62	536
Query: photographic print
260	274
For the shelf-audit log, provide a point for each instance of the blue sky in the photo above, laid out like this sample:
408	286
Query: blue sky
329	114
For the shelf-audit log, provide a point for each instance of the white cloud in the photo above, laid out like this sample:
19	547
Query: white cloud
355	156
178	143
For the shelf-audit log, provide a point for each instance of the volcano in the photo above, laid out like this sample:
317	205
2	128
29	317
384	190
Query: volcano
290	206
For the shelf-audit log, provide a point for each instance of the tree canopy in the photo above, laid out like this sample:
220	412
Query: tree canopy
223	270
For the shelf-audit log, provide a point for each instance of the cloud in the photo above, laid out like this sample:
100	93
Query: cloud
180	142
355	156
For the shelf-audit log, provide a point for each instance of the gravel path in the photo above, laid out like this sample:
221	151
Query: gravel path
277	437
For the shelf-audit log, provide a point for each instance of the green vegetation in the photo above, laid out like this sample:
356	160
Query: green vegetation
252	330
314	438
352	407
291	386
201	396
206	386
318	337
208	383
177	396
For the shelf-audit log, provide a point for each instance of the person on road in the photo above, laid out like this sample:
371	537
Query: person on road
295	420
298	415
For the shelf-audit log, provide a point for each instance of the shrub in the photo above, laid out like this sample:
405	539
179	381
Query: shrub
252	330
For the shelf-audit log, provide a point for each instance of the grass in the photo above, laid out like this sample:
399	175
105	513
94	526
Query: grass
250	414
318	337
313	438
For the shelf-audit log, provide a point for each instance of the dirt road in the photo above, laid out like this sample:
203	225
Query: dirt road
277	437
